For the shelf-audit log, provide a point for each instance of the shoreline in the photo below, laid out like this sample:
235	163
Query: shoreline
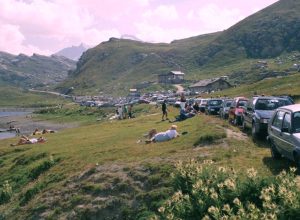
27	123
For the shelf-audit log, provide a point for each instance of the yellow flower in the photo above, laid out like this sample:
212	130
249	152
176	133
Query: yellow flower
251	173
161	209
226	208
213	210
237	201
206	217
214	196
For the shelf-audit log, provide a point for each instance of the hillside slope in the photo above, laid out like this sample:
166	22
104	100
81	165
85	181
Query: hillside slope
33	71
119	64
91	173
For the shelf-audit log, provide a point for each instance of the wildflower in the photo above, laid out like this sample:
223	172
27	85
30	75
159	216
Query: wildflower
201	202
226	208
214	196
208	162
206	217
237	202
213	210
271	216
293	169
170	216
251	173
224	217
220	185
251	206
229	183
222	169
161	209
198	184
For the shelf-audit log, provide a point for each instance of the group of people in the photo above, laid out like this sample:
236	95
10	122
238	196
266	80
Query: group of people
124	111
187	110
26	140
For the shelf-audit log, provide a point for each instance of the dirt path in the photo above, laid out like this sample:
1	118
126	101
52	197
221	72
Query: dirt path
179	88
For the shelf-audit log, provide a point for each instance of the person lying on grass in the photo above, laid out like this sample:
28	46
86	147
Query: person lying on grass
25	140
162	136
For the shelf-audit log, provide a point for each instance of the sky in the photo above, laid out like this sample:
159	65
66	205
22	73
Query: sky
47	26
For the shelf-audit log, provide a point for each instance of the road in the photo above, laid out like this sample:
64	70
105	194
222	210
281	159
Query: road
48	92
179	88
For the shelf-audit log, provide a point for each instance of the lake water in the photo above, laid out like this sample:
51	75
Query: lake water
3	114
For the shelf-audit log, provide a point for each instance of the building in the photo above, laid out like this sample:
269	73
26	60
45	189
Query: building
209	85
173	77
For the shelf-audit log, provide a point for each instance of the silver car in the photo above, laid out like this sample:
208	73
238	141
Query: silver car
284	133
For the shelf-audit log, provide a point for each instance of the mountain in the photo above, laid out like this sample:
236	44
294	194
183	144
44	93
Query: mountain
119	64
33	71
265	34
73	53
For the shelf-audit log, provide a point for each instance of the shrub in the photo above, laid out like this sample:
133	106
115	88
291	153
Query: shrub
205	191
5	192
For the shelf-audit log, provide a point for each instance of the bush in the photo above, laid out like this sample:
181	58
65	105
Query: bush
5	192
205	191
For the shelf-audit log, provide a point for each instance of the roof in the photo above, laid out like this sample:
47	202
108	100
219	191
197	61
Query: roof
177	72
293	108
205	82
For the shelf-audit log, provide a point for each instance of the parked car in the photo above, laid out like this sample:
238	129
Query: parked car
258	112
284	133
235	113
202	105
213	106
225	108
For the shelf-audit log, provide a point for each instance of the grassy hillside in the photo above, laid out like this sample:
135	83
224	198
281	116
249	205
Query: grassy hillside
289	85
17	97
104	170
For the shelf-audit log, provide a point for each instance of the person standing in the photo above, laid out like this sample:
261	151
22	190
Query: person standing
164	110
130	111
182	101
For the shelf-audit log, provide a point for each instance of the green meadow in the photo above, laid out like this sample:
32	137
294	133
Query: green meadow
104	169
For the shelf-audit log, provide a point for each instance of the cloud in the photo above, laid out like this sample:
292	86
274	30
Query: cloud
214	18
156	34
162	12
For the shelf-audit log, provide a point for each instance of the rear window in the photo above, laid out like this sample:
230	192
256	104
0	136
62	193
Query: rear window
296	122
215	102
270	104
242	103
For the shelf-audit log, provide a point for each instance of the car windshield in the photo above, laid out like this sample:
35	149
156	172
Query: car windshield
270	104
215	102
296	122
242	103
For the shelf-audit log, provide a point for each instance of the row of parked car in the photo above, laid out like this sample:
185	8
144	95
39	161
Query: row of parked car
274	118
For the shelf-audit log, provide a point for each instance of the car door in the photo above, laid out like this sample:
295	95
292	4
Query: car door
287	141
275	130
231	110
248	113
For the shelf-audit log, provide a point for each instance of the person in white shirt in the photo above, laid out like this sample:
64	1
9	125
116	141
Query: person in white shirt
164	136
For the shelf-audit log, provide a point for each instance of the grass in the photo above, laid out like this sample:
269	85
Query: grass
108	165
16	97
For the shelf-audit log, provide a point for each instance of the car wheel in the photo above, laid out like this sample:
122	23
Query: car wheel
244	126
254	131
274	152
